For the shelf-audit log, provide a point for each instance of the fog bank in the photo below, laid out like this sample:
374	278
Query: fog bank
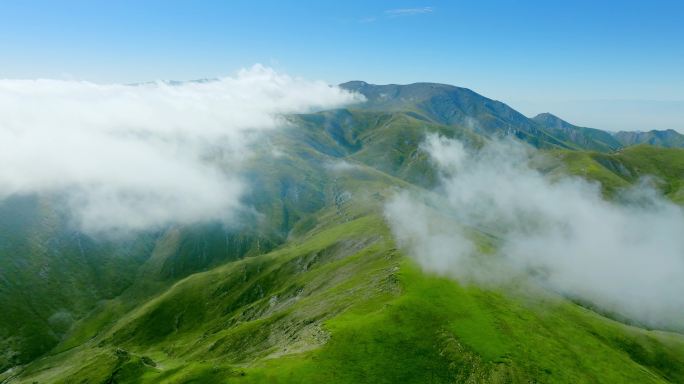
132	157
626	258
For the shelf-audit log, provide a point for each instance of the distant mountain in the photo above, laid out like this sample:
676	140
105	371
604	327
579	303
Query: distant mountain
455	106
450	105
586	138
668	138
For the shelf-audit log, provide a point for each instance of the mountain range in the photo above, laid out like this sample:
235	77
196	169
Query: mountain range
315	288
450	105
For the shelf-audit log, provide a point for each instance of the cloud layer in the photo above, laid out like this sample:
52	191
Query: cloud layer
626	258
132	157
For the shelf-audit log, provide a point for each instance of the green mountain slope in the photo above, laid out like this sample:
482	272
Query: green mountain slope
586	138
663	167
449	105
50	276
313	288
386	141
341	304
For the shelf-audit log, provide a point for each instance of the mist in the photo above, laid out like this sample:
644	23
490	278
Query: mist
495	218
137	157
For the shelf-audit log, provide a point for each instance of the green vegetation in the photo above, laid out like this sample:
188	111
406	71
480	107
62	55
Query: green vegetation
314	289
343	305
582	138
663	167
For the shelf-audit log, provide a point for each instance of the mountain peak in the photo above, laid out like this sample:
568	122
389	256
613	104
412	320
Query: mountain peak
549	119
420	87
353	85
442	103
665	138
547	115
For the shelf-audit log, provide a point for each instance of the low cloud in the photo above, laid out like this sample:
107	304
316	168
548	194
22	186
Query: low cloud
340	166
133	157
495	219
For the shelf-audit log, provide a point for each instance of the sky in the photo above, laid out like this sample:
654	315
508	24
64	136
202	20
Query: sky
609	64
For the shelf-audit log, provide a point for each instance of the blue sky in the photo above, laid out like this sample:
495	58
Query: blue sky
608	64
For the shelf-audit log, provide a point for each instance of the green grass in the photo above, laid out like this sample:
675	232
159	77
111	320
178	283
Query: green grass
351	308
316	290
616	171
438	331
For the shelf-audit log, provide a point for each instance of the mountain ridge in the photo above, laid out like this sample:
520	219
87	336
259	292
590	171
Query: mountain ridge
452	105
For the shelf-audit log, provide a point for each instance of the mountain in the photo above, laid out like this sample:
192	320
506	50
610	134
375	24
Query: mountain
315	289
667	138
585	138
453	106
663	167
51	275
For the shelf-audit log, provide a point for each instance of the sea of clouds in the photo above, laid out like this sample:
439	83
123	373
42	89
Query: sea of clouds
137	157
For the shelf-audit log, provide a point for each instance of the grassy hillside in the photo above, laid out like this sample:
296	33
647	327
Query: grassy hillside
50	276
663	167
311	288
341	304
584	138
454	106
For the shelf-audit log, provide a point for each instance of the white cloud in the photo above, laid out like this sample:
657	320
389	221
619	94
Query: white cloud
136	157
340	166
627	258
408	11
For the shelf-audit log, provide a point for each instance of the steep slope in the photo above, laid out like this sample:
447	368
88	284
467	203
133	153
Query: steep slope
662	167
50	276
387	141
450	105
443	104
341	304
586	138
53	278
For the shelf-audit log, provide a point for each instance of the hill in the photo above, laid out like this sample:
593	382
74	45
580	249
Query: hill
585	138
663	167
314	288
